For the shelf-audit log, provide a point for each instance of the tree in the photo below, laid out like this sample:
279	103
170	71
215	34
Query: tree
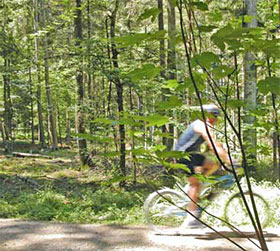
38	66
119	87
80	115
51	112
250	86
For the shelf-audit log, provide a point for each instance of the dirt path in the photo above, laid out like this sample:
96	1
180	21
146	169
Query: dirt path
18	235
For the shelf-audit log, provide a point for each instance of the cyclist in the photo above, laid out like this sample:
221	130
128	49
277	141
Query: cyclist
190	141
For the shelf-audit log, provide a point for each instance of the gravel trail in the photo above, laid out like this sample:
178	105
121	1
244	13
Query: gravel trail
18	235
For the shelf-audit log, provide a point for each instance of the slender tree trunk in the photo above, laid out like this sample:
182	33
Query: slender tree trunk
6	81
67	118
80	115
250	90
171	57
119	88
89	70
51	112
59	126
31	106
162	57
7	101
38	94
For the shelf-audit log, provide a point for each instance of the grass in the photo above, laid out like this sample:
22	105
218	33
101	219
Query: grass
57	189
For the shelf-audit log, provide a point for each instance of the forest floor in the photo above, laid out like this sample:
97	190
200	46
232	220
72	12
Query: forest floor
52	189
18	235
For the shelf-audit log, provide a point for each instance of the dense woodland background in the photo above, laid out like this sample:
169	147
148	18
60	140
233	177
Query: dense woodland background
119	80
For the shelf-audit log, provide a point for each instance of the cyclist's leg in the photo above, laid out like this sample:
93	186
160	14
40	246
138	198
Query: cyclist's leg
193	193
210	166
196	160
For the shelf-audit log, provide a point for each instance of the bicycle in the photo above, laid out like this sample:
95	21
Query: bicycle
166	208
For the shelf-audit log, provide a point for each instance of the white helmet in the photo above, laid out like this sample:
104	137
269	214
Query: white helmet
212	109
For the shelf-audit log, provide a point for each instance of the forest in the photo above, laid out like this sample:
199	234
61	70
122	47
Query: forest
95	94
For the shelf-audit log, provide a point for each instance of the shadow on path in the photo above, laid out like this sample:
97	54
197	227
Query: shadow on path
31	236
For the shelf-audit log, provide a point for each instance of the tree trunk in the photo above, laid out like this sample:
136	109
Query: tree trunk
80	115
250	90
51	112
31	106
162	58
7	101
90	79
119	88
171	58
6	81
68	123
38	94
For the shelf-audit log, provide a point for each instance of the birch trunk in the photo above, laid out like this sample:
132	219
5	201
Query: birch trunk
250	89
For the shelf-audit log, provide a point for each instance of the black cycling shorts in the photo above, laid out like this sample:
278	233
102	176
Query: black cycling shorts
195	159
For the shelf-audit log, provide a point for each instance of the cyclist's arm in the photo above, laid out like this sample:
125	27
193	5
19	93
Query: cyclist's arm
200	128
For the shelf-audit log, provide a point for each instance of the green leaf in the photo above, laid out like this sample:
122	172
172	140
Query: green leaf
95	138
172	154
200	6
156	120
206	59
158	35
235	103
270	84
171	84
153	12
132	39
147	71
208	28
229	35
139	151
128	121
248	19
172	102
199	78
222	71
215	16
176	166
105	121
220	43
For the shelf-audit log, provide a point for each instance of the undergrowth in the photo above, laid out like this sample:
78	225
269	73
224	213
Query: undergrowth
57	189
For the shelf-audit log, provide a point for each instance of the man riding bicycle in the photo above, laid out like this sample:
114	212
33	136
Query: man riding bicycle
190	141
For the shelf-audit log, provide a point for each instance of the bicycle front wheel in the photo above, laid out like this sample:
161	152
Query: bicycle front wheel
165	209
236	213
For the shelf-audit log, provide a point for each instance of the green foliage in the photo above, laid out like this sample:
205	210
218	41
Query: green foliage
269	84
199	5
206	59
147	71
156	119
173	102
149	13
138	38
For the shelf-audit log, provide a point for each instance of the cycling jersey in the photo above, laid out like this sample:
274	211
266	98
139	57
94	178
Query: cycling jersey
190	140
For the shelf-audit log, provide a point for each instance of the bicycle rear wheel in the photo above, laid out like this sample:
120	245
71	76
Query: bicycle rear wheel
236	213
164	209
